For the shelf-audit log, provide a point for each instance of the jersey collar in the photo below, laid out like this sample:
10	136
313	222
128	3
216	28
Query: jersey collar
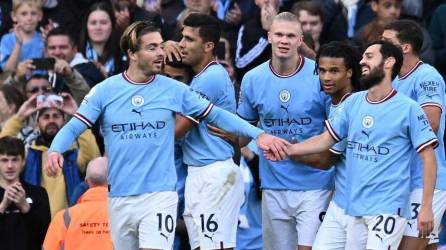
206	67
127	78
415	67
387	97
342	99
299	67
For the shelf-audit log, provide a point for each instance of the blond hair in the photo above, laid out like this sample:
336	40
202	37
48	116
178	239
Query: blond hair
288	17
34	3
131	38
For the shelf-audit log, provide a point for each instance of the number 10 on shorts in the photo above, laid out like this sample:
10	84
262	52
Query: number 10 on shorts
165	221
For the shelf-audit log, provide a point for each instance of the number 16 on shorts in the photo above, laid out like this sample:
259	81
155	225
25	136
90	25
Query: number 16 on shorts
209	225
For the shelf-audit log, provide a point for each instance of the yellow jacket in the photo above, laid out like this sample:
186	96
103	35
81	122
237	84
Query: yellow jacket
56	188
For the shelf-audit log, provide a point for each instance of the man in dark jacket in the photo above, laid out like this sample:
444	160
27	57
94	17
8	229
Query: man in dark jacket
24	209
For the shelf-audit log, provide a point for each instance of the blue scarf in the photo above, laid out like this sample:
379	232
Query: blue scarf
91	54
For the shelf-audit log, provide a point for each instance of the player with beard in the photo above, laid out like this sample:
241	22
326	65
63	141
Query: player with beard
338	66
421	82
49	122
382	127
136	112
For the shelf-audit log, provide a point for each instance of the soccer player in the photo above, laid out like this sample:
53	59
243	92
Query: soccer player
284	95
136	111
382	127
422	83
214	184
339	72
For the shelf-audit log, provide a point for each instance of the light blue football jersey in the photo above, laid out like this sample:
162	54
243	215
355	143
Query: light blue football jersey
138	122
426	86
200	147
340	177
289	107
380	139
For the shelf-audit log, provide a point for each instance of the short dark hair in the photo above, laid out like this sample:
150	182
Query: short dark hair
208	27
351	57
387	50
60	31
311	7
12	146
408	32
131	38
12	95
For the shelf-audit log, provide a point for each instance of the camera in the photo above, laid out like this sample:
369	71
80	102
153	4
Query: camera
49	101
44	63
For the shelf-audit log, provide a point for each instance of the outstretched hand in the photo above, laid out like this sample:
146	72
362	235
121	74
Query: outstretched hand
274	148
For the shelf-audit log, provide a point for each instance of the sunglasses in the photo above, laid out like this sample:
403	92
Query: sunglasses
36	89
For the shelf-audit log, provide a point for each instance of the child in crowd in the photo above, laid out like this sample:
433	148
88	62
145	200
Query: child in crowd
24	42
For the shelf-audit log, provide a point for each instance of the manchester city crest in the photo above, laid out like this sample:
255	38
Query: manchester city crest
284	95
137	100
367	121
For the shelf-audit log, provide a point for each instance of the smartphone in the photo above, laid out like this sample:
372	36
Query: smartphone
49	101
44	63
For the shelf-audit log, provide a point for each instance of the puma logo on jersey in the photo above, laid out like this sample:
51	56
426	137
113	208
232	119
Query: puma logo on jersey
284	107
137	112
366	133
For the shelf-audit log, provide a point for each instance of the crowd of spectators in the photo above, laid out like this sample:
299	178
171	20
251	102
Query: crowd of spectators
63	48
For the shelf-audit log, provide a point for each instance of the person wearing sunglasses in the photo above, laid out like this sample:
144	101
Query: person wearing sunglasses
37	84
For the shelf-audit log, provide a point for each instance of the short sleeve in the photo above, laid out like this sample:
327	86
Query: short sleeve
337	125
208	88
91	107
430	90
246	108
421	133
339	148
6	47
192	103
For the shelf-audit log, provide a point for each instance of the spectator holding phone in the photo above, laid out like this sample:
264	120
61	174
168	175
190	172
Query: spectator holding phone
71	71
63	77
24	42
51	116
61	45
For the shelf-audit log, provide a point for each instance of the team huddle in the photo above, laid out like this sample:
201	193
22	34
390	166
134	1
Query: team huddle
352	153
